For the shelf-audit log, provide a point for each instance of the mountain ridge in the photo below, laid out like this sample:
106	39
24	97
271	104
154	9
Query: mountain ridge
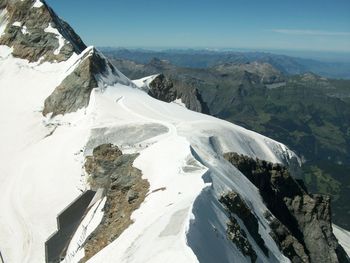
158	169
35	32
192	58
307	112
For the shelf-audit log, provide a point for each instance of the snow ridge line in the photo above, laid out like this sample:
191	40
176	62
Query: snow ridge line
1	258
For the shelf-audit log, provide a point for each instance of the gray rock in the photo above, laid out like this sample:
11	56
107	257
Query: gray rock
36	43
74	91
235	205
313	214
288	244
168	89
131	196
238	236
163	89
125	190
301	223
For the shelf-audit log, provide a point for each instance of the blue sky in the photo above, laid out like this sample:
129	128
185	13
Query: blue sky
319	25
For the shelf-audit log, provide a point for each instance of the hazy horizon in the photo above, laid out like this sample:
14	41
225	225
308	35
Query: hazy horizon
296	25
326	56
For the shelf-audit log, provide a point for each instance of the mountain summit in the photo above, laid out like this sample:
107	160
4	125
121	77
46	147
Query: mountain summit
35	32
94	169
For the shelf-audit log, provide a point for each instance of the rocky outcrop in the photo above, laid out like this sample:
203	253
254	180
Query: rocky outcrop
234	205
36	33
163	89
125	189
239	237
313	214
99	178
301	223
166	89
288	244
74	91
169	85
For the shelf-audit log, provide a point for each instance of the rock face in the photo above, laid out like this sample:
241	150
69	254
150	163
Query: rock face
313	215
288	244
164	88
169	85
301	223
234	205
36	33
125	190
239	237
74	91
98	178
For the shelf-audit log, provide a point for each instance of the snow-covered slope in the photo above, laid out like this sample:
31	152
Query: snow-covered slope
143	83
165	223
343	237
41	173
180	154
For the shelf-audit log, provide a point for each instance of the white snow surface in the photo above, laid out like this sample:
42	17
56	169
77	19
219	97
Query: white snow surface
143	83
17	23
343	237
3	21
42	173
180	154
179	102
90	222
110	78
61	39
185	162
38	4
24	30
32	165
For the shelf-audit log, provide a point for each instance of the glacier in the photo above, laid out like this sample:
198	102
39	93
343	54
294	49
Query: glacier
180	152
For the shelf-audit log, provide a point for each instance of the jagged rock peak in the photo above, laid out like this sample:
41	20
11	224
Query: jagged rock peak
168	90
34	32
92	71
300	222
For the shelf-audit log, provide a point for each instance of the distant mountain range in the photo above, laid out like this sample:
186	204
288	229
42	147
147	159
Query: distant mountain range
206	58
